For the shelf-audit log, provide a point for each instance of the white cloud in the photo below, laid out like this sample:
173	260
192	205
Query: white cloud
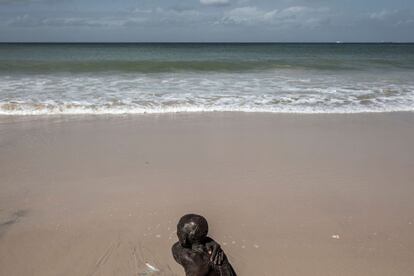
297	16
393	17
30	21
22	2
215	2
248	15
382	15
13	1
138	17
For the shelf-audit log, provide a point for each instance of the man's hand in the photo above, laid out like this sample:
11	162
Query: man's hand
215	252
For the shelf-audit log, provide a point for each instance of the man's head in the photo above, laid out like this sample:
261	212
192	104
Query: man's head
191	229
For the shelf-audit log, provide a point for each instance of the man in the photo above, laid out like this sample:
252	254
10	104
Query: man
197	253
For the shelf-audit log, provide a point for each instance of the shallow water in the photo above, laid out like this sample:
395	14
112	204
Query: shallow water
159	78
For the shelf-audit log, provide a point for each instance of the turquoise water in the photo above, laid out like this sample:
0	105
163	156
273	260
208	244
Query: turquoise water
151	78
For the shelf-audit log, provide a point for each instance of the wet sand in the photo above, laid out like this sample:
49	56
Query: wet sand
284	194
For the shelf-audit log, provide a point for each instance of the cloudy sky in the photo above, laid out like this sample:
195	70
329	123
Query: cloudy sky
207	20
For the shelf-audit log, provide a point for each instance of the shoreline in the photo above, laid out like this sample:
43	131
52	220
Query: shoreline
288	194
5	117
195	112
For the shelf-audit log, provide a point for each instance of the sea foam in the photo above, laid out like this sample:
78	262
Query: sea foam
273	91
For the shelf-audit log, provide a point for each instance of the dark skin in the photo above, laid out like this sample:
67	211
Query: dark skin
197	253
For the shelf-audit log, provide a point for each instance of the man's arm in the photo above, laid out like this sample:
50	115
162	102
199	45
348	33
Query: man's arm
215	252
220	263
195	264
177	251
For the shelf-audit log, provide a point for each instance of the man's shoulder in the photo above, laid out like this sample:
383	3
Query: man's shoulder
181	254
187	255
176	246
178	252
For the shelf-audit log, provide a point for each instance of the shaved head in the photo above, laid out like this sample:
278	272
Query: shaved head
192	228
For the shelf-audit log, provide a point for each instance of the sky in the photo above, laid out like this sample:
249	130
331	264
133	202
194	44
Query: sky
206	20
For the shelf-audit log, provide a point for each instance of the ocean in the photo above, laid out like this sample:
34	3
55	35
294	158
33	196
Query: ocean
50	79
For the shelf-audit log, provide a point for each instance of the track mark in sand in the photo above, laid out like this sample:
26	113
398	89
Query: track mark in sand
144	267
104	258
169	270
14	218
134	253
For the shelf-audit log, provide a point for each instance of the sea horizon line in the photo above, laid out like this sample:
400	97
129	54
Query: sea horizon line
197	42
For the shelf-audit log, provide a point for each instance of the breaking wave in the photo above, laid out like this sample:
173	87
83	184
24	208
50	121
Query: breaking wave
276	91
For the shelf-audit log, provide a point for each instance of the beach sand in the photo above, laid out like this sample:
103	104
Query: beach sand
283	194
